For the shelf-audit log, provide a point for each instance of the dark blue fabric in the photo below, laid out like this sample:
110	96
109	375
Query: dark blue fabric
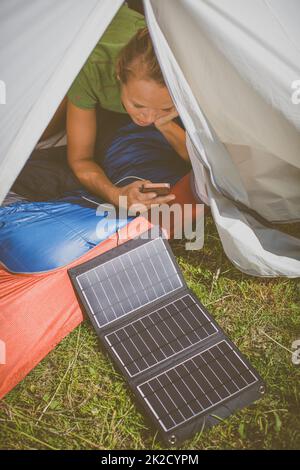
132	150
142	152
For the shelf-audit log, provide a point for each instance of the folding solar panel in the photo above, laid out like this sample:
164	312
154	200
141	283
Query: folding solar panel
183	370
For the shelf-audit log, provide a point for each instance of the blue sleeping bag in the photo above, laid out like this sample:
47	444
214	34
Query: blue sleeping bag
40	236
142	152
44	235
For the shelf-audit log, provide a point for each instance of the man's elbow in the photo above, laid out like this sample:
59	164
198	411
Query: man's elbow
79	164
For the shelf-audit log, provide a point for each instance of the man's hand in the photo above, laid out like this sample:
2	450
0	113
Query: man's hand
161	122
138	201
174	134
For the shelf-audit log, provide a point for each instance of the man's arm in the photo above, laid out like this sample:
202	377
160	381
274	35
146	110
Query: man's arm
81	133
175	135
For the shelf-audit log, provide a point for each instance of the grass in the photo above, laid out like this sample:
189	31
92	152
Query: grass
74	399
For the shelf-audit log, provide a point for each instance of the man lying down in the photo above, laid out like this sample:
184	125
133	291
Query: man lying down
121	93
122	127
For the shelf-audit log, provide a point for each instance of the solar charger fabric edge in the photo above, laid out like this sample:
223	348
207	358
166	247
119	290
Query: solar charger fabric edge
182	368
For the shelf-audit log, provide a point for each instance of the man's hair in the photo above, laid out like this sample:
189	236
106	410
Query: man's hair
138	60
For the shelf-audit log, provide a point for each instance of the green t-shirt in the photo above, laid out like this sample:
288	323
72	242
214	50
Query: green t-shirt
97	81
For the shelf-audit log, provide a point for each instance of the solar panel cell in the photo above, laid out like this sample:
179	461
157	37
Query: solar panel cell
160	335
130	281
196	385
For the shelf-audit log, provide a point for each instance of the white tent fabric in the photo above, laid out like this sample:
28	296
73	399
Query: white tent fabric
43	45
229	65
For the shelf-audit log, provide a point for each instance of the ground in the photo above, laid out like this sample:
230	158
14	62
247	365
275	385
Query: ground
74	399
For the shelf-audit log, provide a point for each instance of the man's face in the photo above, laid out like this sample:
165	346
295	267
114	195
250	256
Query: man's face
146	101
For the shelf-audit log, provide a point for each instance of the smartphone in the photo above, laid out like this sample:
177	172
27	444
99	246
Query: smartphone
161	189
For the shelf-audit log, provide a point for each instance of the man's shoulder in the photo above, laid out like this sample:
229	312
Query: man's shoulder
125	23
97	77
121	29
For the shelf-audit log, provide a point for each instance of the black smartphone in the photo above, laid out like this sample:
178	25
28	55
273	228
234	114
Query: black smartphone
161	189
